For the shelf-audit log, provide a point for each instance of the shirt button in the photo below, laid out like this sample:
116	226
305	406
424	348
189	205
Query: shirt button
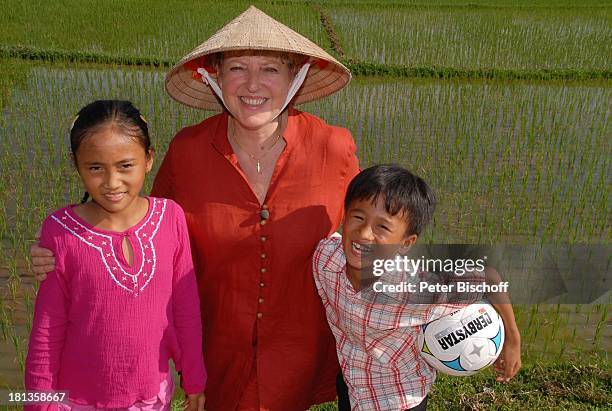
261	284
263	238
259	315
262	222
260	300
265	206
263	255
263	270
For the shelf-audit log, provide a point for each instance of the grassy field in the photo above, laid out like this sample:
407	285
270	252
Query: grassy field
515	39
512	161
521	39
165	30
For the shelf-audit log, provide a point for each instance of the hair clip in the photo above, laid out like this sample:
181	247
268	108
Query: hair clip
73	121
143	119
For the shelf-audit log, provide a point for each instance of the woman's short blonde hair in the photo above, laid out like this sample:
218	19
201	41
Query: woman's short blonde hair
293	60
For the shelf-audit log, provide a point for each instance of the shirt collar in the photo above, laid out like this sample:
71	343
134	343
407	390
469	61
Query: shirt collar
336	262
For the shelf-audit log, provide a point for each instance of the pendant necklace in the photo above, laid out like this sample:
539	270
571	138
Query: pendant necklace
257	160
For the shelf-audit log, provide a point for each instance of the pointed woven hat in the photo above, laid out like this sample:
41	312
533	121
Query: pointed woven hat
255	30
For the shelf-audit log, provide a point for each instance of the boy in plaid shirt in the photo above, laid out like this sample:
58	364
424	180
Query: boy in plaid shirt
376	336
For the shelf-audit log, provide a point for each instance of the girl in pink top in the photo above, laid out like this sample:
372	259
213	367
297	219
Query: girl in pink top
123	299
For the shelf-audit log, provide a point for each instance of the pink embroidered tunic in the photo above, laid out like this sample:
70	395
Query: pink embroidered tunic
104	330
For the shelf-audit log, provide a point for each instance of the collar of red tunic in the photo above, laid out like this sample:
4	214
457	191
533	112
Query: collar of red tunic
221	142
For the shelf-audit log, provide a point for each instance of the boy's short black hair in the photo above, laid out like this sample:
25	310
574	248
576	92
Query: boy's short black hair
403	192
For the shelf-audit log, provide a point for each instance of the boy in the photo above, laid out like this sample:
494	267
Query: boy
386	206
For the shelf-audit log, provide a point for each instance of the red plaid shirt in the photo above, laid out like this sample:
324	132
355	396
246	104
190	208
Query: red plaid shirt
376	336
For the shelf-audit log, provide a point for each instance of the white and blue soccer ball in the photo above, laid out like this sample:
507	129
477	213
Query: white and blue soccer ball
463	342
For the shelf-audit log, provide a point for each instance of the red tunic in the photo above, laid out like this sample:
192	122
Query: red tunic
258	297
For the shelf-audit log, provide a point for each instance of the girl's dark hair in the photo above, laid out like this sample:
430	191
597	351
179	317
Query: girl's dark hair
100	113
402	191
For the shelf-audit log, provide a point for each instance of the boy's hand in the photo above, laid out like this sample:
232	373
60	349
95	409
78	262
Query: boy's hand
43	260
509	361
195	402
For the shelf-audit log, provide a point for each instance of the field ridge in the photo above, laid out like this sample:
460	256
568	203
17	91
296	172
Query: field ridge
456	4
357	68
332	34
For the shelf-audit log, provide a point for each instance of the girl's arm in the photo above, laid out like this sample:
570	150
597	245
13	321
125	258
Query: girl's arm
46	343
47	336
187	317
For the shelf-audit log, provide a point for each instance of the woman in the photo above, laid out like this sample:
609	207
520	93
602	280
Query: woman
260	184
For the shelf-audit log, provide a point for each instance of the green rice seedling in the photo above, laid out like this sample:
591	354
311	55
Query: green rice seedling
5	323
604	310
18	345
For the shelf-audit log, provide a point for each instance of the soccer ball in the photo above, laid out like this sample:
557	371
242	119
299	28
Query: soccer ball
463	342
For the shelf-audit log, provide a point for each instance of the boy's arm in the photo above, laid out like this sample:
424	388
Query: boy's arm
509	361
187	317
317	263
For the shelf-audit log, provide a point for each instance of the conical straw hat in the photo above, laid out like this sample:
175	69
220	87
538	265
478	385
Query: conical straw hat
254	30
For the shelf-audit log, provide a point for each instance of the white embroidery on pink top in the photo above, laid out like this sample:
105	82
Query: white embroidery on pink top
104	245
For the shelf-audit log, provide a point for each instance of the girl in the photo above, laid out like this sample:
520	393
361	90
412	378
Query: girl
122	299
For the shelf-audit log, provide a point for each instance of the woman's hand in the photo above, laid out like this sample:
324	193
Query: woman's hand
195	402
509	361
43	260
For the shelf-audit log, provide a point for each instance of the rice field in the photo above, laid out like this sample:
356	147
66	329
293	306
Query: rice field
160	30
512	161
517	39
501	152
524	162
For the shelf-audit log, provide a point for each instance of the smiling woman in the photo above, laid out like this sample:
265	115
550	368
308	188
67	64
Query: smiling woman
269	185
255	89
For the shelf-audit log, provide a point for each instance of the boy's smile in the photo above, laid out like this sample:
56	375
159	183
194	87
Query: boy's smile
366	225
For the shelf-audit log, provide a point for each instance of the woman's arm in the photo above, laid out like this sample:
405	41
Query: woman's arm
187	317
43	260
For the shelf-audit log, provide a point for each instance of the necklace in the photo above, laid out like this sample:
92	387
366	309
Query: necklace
257	160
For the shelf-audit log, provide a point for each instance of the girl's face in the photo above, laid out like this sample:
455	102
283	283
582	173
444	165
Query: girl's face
254	88
113	167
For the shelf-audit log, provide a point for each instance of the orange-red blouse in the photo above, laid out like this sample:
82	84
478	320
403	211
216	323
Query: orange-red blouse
258	298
